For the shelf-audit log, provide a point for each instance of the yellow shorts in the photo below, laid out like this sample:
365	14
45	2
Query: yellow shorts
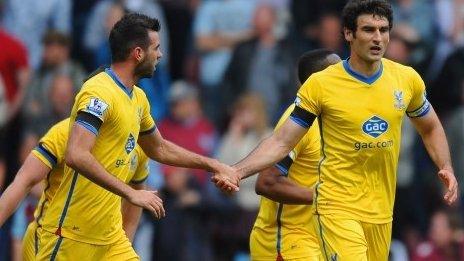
31	241
53	247
291	245
346	239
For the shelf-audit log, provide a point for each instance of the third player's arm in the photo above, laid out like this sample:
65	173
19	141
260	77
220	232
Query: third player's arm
434	138
31	173
271	184
79	157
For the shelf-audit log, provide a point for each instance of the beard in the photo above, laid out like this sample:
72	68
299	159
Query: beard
145	69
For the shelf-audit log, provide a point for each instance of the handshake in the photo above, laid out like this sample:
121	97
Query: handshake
226	178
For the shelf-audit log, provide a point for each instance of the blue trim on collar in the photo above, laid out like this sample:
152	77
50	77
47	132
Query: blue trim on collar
118	82
368	80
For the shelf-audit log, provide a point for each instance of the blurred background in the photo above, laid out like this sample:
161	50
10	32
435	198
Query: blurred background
227	73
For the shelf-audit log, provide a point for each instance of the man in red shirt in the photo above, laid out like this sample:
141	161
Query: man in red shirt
187	126
14	75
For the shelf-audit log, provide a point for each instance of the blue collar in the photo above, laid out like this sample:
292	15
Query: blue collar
118	82
369	80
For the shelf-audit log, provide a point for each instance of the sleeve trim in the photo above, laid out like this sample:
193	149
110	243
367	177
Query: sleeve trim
47	154
282	169
88	126
299	122
149	131
421	111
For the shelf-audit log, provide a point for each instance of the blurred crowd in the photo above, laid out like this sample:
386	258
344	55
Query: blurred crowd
228	72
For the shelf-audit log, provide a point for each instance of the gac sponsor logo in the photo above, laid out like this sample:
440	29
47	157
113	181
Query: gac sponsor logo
130	144
121	162
375	126
373	145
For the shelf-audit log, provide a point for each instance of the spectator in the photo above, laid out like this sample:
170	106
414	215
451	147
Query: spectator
218	27
418	14
186	126
101	53
29	20
442	243
38	109
306	16
263	65
95	33
454	127
328	34
179	17
183	197
447	91
247	127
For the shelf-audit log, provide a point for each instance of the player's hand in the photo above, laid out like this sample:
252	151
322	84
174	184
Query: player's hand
449	180
228	180
148	200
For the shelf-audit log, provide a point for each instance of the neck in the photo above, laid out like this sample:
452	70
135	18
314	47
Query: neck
361	66
125	74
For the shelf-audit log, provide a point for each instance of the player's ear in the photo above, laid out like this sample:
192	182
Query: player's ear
138	53
348	34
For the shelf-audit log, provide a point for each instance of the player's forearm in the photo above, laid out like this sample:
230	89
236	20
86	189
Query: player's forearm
32	172
171	154
11	198
281	189
437	146
130	218
86	164
268	152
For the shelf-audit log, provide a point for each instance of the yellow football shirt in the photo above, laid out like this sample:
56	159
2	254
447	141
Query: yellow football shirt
360	122
81	210
138	167
50	151
286	229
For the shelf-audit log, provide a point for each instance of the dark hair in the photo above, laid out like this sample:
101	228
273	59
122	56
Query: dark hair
56	37
130	32
354	8
312	62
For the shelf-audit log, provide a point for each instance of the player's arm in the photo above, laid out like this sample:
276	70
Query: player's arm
31	172
131	214
277	187
434	138
166	152
79	157
270	150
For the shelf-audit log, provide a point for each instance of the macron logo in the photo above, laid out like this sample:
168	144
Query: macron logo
375	126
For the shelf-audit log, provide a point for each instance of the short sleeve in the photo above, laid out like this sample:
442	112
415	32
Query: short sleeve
309	96
419	105
94	101
142	170
52	145
147	124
